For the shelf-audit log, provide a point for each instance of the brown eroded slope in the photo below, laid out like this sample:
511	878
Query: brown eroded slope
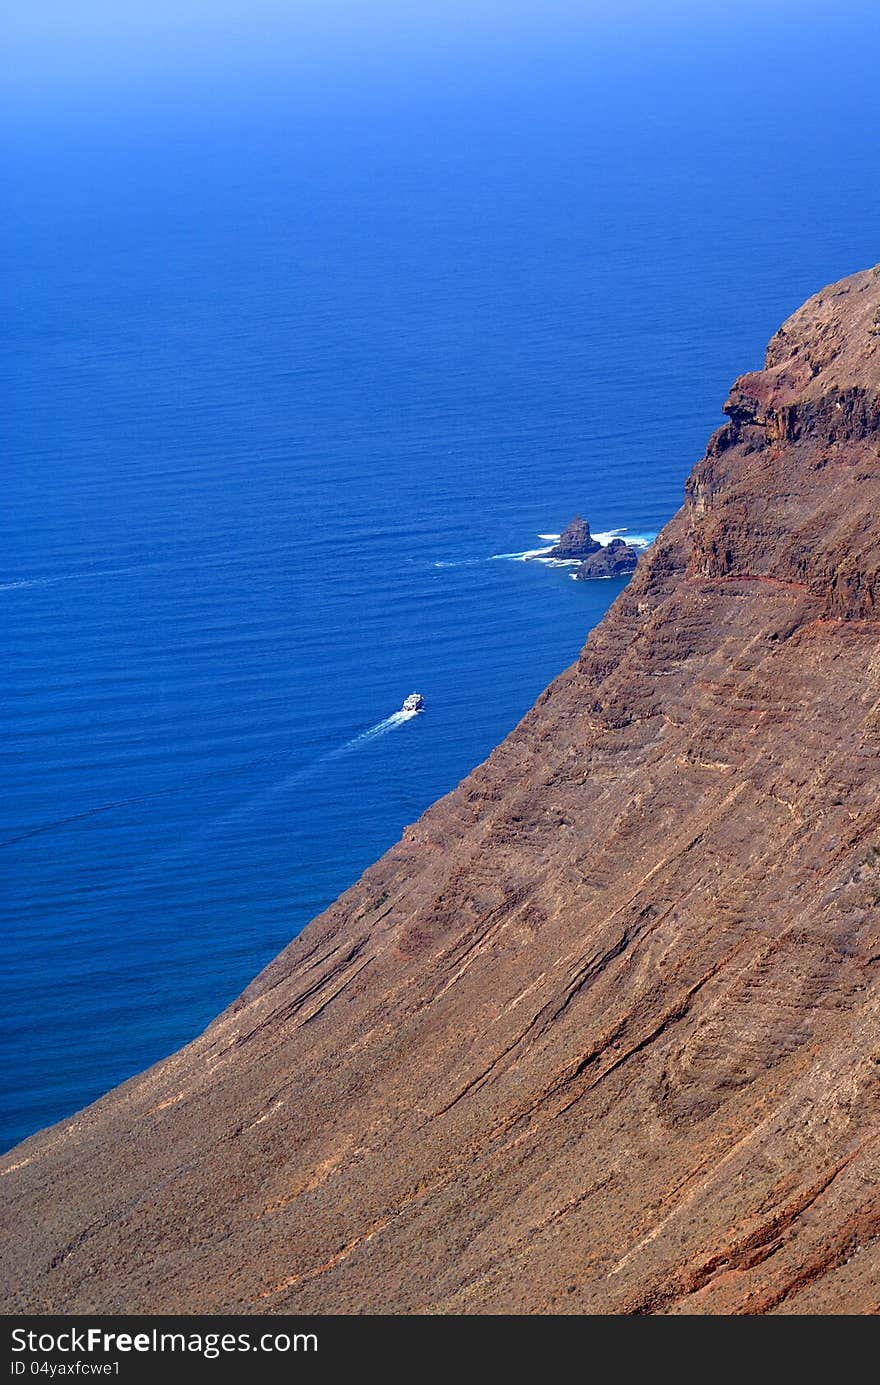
602	1032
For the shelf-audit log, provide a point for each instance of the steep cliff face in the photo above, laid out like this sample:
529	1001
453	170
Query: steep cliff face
602	1032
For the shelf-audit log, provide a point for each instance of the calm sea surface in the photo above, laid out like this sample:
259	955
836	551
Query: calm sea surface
281	378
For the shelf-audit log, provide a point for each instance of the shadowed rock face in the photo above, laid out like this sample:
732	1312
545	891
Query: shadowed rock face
575	541
615	559
602	1032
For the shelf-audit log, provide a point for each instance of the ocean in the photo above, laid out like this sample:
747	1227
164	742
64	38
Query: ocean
292	377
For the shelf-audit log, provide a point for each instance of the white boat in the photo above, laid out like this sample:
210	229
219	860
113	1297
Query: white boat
414	703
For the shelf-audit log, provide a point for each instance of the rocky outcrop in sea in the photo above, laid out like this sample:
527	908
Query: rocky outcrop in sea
575	541
613	559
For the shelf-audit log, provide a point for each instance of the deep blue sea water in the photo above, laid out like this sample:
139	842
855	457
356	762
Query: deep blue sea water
285	368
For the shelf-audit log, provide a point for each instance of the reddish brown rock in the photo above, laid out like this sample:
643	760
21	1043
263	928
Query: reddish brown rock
601	1034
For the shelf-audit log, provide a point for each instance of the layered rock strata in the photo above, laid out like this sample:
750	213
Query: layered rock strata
601	1033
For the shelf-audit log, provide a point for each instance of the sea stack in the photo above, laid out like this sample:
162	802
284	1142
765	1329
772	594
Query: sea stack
575	541
614	559
601	1033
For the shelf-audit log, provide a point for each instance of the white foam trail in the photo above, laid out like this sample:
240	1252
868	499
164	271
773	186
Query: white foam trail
371	733
552	538
240	810
250	805
90	575
25	582
65	577
258	801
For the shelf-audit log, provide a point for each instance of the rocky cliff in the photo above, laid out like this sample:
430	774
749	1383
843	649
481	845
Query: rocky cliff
601	1034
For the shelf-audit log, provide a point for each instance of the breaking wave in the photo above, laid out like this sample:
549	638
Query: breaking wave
634	540
541	555
522	557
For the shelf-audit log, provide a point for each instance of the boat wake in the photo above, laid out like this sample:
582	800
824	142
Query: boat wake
255	803
371	733
634	540
99	574
61	578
